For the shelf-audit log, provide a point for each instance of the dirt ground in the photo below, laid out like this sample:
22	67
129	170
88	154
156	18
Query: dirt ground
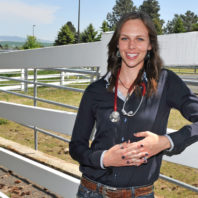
15	186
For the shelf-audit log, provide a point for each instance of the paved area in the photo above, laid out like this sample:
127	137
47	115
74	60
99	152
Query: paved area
15	186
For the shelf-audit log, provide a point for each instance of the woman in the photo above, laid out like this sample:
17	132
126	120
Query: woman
130	106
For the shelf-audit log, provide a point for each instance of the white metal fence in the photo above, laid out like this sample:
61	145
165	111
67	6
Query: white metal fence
79	55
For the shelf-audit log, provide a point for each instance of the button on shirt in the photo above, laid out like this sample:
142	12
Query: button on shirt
97	105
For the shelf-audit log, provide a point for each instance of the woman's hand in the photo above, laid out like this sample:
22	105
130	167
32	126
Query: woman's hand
152	143
117	155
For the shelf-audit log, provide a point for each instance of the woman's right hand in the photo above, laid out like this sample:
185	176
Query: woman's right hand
115	156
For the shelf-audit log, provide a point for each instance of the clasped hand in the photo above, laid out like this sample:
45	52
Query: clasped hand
136	153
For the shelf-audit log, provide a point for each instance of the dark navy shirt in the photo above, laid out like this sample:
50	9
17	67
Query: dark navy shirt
97	105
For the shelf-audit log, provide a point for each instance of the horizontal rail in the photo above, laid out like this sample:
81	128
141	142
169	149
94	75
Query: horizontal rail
46	133
43	84
40	99
179	183
80	71
54	180
40	117
2	195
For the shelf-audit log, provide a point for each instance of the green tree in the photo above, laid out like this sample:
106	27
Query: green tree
89	35
105	27
189	18
6	46
65	36
121	7
179	26
195	27
71	27
152	8
31	43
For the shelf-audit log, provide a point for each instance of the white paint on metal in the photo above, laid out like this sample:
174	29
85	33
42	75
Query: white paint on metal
179	49
75	55
56	120
2	195
55	181
187	157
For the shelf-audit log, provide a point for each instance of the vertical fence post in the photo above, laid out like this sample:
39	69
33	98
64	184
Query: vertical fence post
22	77
62	78
35	104
98	73
26	78
92	76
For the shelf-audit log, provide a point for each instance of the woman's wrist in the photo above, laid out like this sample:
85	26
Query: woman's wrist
165	142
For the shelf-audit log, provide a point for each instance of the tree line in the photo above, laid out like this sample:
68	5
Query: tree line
68	35
180	23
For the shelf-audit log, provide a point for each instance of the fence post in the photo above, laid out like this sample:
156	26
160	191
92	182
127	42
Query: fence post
22	77
35	104
62	78
26	78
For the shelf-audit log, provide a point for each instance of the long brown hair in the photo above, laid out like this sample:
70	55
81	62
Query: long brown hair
152	64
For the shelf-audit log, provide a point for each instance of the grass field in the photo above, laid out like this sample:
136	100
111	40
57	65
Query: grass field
56	147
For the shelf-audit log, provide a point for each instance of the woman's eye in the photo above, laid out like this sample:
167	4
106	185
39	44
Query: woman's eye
124	38
140	39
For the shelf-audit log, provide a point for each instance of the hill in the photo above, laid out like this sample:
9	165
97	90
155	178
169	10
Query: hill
14	44
20	39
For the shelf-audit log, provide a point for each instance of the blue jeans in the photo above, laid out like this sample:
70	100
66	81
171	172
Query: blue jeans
83	192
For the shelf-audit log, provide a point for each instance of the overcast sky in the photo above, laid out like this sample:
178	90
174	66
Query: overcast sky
17	17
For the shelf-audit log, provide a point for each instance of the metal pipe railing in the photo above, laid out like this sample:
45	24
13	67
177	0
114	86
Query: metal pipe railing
179	183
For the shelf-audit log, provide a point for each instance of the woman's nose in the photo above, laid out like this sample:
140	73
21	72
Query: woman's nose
132	44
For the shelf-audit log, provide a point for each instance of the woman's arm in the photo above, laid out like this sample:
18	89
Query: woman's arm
79	146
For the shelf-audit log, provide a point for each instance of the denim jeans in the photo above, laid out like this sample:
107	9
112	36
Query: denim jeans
83	192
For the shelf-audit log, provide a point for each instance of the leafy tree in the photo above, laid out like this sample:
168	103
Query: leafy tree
89	35
71	27
152	8
189	18
195	27
179	26
105	27
121	7
31	43
65	36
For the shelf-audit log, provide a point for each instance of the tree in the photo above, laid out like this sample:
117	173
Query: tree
71	27
89	35
189	18
31	43
195	27
65	36
6	46
179	26
152	8
105	27
121	7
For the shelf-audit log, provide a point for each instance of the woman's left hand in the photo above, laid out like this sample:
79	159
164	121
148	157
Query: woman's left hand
152	144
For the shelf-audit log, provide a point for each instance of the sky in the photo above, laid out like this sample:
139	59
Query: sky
46	17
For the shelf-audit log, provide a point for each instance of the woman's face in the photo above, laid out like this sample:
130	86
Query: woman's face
133	43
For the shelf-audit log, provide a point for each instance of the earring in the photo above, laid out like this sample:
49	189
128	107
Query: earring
144	77
118	53
148	55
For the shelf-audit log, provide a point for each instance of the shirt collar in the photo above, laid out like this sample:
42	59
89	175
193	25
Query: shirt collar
120	95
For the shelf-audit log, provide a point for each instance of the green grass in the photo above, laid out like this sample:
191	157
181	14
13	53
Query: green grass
54	147
183	70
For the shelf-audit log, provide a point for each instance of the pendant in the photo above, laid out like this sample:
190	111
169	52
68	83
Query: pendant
115	116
